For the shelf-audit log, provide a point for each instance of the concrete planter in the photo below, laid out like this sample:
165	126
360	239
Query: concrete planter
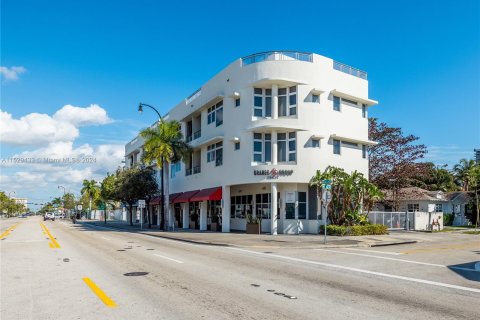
253	228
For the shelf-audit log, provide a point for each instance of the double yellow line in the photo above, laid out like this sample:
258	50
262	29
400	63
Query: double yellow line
53	244
7	232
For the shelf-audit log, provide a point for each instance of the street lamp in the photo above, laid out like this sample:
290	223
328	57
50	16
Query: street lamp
162	211
63	198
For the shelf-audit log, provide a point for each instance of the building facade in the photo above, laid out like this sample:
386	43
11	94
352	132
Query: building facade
259	130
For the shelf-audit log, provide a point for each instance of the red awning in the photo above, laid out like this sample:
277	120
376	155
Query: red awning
155	201
173	196
208	194
185	197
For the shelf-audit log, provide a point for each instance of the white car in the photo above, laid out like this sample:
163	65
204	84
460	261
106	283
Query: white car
49	216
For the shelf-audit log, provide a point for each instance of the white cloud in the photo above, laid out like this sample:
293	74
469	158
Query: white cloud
38	128
12	72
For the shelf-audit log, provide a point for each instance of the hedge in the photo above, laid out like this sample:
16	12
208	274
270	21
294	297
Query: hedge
369	229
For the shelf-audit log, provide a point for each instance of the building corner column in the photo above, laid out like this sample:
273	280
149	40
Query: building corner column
274	148
274	208
275	101
203	215
226	209
185	216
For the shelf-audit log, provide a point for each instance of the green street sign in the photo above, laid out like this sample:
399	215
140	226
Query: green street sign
327	186
101	206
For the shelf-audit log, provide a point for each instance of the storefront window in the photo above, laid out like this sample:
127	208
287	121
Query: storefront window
263	203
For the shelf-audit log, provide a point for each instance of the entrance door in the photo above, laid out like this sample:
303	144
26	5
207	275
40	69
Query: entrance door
194	210
178	215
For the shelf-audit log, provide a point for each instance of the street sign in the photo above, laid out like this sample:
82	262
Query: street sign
327	184
141	204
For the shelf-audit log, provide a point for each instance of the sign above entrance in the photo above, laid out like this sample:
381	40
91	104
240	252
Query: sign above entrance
273	173
141	204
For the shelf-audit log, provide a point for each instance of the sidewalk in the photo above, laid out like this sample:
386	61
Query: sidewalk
240	239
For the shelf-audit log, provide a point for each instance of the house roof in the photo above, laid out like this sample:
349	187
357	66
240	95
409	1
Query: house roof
416	194
459	196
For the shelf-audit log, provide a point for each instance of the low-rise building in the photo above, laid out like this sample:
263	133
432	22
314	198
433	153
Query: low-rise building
259	130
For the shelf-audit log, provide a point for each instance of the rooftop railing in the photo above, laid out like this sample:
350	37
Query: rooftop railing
277	55
350	70
193	96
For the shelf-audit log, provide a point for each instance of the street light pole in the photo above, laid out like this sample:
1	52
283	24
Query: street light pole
63	198
162	194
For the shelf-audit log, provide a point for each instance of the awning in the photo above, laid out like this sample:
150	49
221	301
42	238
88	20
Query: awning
368	102
156	201
185	197
208	194
173	196
353	140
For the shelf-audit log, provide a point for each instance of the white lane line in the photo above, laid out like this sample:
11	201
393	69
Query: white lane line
381	274
384	258
375	251
177	261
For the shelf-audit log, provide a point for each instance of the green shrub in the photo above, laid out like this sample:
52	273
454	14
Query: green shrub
369	229
447	219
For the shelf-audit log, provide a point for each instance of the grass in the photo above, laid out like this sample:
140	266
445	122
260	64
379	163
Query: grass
472	232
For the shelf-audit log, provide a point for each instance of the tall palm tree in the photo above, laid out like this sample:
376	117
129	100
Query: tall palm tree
164	144
461	171
90	188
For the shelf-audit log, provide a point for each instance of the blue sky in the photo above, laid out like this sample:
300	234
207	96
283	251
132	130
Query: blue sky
422	57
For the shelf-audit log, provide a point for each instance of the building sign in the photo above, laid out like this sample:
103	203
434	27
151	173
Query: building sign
290	197
273	173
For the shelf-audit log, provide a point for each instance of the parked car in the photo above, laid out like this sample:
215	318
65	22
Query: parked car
49	216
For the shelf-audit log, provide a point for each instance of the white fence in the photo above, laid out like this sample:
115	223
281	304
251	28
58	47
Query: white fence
408	220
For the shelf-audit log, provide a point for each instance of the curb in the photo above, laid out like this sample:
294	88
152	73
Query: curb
360	245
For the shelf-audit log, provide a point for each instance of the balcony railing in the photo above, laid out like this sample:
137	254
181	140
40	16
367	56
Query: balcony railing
193	96
350	70
277	55
195	135
194	170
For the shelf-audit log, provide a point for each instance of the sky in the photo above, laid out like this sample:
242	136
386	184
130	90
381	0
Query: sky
73	72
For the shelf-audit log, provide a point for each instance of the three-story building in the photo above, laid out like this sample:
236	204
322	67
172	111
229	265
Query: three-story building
259	130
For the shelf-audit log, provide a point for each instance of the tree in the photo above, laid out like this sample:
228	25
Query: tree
8	206
134	184
91	189
108	192
350	194
473	180
461	171
164	144
392	162
435	178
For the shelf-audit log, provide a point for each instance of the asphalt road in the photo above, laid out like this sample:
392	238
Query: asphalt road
57	270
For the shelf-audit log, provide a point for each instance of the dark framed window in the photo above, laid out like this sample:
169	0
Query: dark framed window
336	146
237	145
237	102
315	98
364	110
302	205
336	103
364	151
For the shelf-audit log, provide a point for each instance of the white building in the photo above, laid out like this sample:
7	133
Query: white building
22	201
260	129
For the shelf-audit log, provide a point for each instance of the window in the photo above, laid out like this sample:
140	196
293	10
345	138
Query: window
215	114
237	145
262	147
237	102
413	207
302	205
349	101
350	144
174	168
291	93
364	151
336	103
315	143
287	147
262	204
315	98
364	110
262	102
215	153
438	207
336	146
240	206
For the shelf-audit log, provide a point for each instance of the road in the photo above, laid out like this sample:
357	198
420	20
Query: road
57	270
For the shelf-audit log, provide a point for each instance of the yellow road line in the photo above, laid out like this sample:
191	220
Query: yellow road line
54	243
446	247
7	232
99	292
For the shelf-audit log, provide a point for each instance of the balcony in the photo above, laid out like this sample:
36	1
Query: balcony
193	170
277	56
349	70
193	96
194	136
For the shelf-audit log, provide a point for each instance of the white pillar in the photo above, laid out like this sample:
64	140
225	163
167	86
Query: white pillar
274	208
186	217
274	101
203	215
274	148
226	209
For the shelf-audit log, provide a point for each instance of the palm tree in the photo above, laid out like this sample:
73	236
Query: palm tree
461	170
91	189
164	144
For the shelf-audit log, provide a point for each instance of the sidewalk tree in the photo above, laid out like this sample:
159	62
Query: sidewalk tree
91	189
393	161
164	144
108	192
134	184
